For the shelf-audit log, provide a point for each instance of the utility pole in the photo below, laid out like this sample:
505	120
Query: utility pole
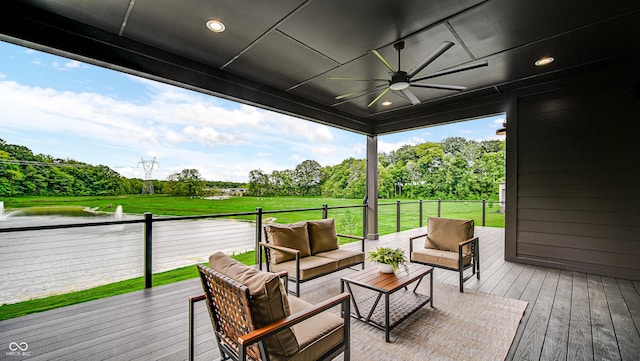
147	165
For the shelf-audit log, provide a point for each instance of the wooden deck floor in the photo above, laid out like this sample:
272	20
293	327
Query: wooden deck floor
570	316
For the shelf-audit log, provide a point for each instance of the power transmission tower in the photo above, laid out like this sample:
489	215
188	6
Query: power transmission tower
147	165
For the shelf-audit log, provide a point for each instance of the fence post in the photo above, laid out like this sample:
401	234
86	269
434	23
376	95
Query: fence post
439	206
148	242
420	213
259	237
325	211
397	216
364	220
484	212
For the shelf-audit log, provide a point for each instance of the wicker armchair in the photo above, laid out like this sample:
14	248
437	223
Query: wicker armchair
254	319
449	244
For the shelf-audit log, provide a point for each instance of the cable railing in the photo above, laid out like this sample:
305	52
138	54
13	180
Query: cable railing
45	259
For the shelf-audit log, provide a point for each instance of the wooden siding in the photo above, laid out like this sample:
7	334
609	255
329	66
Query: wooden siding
577	176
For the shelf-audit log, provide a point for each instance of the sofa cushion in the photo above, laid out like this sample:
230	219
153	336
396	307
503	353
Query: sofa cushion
322	235
310	267
293	235
268	301
344	257
316	334
445	233
441	258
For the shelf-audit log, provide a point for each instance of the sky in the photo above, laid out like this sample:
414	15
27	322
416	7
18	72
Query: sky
74	110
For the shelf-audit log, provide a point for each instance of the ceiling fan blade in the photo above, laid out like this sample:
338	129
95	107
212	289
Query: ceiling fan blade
410	96
360	93
383	60
430	58
455	69
378	97
439	86
355	79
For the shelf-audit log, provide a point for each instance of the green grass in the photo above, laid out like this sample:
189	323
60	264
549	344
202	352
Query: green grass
348	221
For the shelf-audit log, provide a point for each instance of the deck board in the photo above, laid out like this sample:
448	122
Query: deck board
580	345
570	316
556	338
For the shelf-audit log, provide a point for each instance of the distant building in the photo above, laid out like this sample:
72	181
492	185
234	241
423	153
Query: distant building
502	195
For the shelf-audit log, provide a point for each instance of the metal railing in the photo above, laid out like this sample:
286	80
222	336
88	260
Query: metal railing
113	248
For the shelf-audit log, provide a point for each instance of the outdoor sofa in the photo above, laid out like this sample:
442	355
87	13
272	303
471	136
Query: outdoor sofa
307	250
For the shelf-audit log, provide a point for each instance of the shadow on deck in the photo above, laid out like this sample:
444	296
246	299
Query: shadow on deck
570	315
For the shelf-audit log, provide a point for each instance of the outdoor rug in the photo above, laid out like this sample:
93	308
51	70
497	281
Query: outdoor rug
460	326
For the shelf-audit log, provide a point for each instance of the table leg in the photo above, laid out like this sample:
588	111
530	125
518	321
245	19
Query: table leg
386	317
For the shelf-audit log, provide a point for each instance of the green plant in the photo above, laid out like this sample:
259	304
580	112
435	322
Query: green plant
393	257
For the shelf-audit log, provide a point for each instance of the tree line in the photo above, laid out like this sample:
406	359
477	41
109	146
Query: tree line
23	173
455	168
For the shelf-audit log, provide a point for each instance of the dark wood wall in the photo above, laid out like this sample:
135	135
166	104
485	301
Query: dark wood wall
574	162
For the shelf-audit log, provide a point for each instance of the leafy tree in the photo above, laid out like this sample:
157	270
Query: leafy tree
307	177
188	182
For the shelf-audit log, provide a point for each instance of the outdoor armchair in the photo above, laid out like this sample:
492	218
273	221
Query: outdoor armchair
449	244
254	318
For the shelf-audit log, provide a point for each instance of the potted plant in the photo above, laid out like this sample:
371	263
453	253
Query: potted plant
389	259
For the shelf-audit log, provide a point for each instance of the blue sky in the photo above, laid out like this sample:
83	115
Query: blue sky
69	109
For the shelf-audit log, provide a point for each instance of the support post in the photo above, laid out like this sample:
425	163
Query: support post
325	211
439	206
148	251
420	213
372	187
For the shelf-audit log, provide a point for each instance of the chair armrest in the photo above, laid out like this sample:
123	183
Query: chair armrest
463	243
265	331
418	236
359	238
281	248
350	236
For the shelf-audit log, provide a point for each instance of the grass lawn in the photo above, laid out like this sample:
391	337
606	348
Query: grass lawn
348	221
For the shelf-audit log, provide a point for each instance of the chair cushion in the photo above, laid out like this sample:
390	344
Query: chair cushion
445	233
310	267
344	257
316	335
322	235
293	235
441	258
268	303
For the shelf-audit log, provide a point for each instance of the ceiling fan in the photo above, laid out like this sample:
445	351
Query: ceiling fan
401	81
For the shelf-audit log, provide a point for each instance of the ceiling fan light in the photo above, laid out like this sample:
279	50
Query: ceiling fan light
386	103
401	85
216	26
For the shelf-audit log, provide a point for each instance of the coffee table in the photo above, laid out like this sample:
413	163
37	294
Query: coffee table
405	302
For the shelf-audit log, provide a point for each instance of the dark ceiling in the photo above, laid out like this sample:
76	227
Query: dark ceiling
280	54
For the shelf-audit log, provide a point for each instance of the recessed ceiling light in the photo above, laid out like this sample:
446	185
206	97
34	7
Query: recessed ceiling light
386	103
546	60
216	26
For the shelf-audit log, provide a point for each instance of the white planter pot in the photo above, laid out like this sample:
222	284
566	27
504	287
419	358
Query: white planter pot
385	268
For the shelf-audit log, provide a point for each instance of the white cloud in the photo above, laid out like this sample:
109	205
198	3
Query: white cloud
210	137
73	64
497	122
385	147
263	154
466	131
2	76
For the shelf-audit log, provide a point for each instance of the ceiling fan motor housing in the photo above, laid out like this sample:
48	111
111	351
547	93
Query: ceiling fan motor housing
399	80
